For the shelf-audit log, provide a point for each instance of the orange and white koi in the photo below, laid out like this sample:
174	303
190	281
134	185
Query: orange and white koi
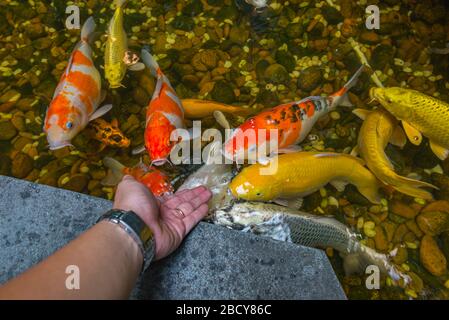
292	122
77	95
165	114
156	181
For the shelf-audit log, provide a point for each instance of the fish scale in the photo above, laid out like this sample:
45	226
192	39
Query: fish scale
431	117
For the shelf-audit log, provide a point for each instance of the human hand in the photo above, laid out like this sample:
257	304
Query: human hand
170	218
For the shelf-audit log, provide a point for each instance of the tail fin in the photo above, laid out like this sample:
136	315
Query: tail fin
371	193
119	3
353	81
88	29
356	263
341	97
150	62
412	187
115	173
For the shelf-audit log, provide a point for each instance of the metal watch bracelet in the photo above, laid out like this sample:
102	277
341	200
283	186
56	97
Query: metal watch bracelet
134	226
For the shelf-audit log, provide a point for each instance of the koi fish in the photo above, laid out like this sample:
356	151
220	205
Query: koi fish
380	127
156	181
284	224
420	115
301	174
292	121
199	109
109	134
77	95
117	56
216	177
165	115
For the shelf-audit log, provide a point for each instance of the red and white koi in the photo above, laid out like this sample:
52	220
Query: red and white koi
291	122
165	115
77	95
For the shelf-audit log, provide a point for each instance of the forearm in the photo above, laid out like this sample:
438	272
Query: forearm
109	262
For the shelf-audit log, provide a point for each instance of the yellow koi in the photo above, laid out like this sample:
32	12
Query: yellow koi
378	129
301	174
420	115
117	57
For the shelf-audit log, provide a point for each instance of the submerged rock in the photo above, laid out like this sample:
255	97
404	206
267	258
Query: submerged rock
223	92
442	182
433	222
310	79
22	165
332	15
7	130
5	165
276	74
432	257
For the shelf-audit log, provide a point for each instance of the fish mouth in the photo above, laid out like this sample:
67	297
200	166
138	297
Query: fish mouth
159	162
58	146
376	94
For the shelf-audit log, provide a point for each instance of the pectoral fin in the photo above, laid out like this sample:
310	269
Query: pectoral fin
398	138
355	151
339	185
361	113
289	149
222	120
441	152
138	150
413	135
100	112
139	66
294	204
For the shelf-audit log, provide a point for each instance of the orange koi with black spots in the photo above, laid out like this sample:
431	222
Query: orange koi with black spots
292	123
109	134
77	95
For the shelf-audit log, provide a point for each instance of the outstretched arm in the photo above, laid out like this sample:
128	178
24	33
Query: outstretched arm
109	260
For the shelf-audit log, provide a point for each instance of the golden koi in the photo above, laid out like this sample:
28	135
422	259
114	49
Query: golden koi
199	109
77	95
379	128
117	57
420	115
301	174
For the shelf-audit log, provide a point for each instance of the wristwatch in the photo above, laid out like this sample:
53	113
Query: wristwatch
137	229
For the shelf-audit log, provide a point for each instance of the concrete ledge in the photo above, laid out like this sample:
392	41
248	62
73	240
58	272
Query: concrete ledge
213	262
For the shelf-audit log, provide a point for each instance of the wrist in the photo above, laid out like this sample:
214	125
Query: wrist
123	243
135	229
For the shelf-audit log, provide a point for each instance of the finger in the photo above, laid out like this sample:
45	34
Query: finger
184	196
201	198
195	217
168	197
192	193
186	208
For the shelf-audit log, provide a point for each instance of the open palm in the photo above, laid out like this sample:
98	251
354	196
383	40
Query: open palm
170	218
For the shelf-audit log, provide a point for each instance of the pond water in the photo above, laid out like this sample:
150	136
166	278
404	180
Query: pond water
230	51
